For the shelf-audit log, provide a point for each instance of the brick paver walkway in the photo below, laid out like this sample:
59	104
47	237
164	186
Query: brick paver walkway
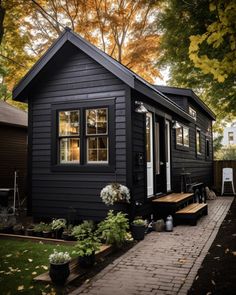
163	263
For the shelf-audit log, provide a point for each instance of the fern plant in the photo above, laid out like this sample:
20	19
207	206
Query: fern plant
113	230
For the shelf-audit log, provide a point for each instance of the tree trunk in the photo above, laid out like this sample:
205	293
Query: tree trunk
2	14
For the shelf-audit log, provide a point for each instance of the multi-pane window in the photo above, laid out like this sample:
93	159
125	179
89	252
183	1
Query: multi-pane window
192	113
71	132
69	136
231	137
207	148
198	141
182	136
97	135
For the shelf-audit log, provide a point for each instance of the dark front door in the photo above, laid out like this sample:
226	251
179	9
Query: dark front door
160	162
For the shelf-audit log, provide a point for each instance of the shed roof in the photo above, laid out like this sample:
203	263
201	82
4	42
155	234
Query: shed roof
11	115
20	92
189	93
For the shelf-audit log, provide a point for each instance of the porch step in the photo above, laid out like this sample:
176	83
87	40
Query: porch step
191	213
171	203
173	198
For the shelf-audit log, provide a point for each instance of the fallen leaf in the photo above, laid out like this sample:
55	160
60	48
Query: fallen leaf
47	286
226	250
45	250
34	273
44	267
25	251
26	269
30	260
196	278
37	267
218	245
217	257
213	282
234	253
31	287
8	255
2	271
208	293
40	242
20	288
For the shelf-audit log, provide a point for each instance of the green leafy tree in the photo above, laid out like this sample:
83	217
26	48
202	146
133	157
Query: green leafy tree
189	55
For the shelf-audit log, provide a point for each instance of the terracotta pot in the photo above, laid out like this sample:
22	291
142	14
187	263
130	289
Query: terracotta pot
59	273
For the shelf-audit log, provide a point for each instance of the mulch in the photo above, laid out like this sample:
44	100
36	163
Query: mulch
217	275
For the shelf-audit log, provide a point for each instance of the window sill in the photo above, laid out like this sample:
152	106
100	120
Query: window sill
83	168
182	148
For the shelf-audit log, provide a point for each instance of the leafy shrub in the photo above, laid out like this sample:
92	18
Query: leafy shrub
58	224
87	246
39	227
114	228
84	230
139	221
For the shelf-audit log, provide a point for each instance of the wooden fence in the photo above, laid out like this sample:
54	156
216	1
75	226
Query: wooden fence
218	166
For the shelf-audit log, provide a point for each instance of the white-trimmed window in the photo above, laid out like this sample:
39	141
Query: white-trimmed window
69	136
97	135
192	113
182	136
198	142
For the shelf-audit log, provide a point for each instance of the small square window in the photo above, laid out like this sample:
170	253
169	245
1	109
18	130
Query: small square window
182	136
192	113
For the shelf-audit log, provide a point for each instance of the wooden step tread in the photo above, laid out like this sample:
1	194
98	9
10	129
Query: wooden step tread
192	208
173	198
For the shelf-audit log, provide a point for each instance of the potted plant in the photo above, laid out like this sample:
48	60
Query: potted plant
59	267
57	227
67	233
113	230
138	227
86	249
30	230
38	229
47	230
18	229
115	192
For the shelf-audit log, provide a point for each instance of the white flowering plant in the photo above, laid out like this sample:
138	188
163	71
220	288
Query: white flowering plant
58	224
115	192
59	257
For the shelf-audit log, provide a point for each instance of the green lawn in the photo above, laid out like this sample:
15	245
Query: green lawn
21	261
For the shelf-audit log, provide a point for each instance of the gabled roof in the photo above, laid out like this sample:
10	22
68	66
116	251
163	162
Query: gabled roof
186	92
11	115
122	72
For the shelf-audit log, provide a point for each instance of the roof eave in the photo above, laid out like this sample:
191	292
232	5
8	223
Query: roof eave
164	101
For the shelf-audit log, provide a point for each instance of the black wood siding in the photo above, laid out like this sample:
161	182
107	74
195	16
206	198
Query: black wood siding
200	167
70	77
13	156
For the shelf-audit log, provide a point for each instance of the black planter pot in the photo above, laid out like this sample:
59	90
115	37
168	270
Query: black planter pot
47	234
29	232
38	234
19	232
58	233
59	273
138	232
86	261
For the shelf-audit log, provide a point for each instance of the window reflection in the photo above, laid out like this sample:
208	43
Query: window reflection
70	150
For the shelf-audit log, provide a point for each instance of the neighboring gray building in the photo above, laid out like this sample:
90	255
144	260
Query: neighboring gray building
229	135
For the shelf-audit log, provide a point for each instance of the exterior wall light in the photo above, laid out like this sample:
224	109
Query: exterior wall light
140	108
175	125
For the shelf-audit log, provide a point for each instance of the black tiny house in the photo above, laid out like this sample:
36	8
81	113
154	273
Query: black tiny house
88	127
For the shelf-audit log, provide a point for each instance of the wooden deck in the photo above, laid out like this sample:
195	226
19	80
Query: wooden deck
173	198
